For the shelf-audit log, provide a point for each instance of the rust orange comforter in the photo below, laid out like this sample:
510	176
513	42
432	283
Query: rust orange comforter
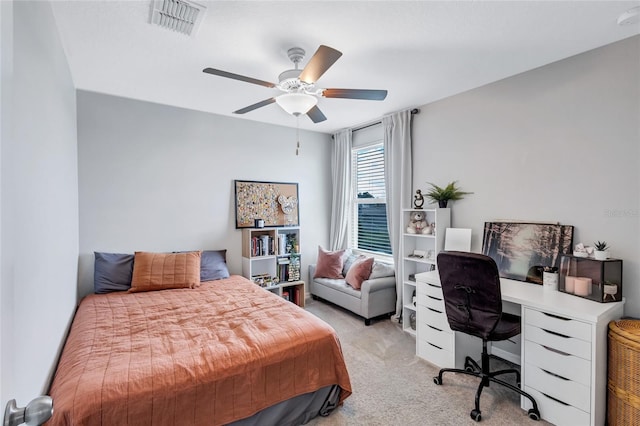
203	356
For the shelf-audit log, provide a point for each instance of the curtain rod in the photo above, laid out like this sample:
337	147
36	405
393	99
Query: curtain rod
413	111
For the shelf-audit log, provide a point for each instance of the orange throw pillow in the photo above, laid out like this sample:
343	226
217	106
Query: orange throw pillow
162	271
329	264
359	272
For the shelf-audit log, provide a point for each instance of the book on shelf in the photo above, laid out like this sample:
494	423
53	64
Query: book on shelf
262	245
296	295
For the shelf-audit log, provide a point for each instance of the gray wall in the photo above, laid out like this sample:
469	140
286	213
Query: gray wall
39	199
159	178
559	143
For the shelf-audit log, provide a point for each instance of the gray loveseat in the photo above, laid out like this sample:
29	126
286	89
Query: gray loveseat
377	296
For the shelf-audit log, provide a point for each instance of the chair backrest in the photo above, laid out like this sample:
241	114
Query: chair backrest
471	289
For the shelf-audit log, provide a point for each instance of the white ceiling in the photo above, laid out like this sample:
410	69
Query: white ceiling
420	51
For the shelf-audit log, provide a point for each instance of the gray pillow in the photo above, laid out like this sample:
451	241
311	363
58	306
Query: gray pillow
347	261
112	272
213	265
380	270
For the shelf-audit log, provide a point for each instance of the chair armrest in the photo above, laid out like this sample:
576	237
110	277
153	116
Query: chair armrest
376	284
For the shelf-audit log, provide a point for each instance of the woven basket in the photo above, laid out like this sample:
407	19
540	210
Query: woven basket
624	373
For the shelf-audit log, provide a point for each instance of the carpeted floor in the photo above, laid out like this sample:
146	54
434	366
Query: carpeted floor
391	386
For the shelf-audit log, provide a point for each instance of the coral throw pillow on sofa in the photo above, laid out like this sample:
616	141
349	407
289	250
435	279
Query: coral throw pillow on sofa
329	264
359	272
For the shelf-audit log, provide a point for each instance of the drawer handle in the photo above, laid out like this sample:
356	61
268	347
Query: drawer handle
430	326
556	351
556	316
556	333
433	285
554	374
434	298
435	346
555	399
433	310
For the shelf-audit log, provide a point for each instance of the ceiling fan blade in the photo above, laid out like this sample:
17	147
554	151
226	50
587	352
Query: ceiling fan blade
255	106
316	115
237	77
366	94
319	63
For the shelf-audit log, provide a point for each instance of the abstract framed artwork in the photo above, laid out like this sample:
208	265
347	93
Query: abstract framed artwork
276	203
522	250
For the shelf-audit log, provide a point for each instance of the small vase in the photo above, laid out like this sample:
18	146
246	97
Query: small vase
600	255
442	204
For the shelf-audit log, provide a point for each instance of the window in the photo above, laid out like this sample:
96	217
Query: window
369	225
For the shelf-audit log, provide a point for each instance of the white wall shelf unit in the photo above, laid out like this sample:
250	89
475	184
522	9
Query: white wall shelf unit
426	245
271	258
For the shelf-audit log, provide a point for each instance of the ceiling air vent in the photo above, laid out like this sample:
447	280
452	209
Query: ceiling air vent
177	15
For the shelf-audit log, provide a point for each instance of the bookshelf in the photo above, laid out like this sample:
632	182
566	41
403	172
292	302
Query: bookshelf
425	245
271	259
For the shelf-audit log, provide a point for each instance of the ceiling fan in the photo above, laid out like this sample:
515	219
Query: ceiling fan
300	93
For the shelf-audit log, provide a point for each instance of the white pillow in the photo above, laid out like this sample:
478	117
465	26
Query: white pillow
380	270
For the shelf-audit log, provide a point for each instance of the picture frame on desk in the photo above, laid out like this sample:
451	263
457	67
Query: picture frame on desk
521	250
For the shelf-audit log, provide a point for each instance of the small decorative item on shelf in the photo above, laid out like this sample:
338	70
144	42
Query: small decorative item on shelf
580	250
418	199
442	196
258	223
550	278
417	223
600	281
600	252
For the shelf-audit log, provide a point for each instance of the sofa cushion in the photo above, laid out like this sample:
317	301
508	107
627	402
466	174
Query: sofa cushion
347	260
359	272
339	285
380	270
329	264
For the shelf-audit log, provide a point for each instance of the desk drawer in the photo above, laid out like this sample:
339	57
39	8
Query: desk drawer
440	338
562	325
556	412
431	290
562	364
435	355
564	390
431	302
434	317
564	343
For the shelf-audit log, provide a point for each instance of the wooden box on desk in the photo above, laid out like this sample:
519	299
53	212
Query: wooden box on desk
599	280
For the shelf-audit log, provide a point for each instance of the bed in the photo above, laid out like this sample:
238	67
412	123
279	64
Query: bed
224	352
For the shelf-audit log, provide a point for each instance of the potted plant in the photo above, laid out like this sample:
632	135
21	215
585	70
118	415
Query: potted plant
600	250
443	195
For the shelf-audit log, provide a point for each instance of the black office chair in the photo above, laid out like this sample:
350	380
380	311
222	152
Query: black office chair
473	303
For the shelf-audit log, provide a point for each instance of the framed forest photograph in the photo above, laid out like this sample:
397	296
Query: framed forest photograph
276	203
522	250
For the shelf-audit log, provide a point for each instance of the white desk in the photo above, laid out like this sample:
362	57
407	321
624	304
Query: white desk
563	346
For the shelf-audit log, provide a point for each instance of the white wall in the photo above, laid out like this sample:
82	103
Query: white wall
39	200
559	143
159	178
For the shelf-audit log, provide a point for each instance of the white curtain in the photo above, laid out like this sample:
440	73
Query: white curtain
342	190
398	183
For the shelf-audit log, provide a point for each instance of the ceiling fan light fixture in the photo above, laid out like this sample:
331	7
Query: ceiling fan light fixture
296	103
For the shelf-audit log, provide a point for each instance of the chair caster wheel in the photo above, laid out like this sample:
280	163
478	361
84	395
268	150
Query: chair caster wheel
476	415
437	380
533	414
469	368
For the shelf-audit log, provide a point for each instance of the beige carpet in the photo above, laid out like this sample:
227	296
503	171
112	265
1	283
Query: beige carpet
391	386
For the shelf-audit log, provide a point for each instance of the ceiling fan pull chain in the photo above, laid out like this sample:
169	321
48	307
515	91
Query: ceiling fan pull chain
297	134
